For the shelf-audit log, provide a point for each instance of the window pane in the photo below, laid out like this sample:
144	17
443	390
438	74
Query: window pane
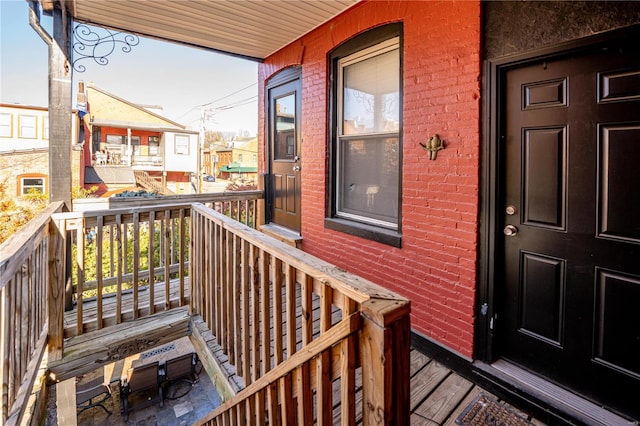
371	95
5	125
182	145
114	139
33	182
369	179
285	127
32	185
27	126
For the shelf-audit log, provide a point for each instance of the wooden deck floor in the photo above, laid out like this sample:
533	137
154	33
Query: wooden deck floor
439	395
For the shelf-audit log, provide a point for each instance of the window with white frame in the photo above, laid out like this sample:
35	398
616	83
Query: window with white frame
27	125
30	185
6	129
182	145
366	133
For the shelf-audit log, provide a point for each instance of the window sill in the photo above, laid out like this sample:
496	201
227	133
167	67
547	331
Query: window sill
369	232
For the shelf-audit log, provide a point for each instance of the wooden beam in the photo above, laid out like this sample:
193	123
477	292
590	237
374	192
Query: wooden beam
66	402
89	351
60	76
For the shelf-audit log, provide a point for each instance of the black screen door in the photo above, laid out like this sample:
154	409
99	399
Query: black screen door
571	217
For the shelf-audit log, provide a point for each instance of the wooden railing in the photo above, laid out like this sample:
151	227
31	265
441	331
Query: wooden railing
297	330
120	252
24	278
33	277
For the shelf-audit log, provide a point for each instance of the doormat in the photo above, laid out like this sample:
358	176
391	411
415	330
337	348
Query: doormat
486	411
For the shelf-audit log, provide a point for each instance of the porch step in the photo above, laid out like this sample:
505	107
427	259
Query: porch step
557	397
89	351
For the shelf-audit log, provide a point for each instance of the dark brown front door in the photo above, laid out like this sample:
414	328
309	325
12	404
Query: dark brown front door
570	306
284	143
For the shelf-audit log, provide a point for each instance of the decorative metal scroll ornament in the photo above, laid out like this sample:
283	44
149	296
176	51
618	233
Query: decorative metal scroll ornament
89	44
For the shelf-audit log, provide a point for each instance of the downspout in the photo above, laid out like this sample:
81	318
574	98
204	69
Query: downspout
34	21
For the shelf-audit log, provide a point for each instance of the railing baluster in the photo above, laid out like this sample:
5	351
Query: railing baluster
227	294
99	289
167	259
323	363
151	261
276	286
182	256
307	309
236	292
219	265
80	240
255	315
135	263
303	392
119	269
265	334
245	371
290	300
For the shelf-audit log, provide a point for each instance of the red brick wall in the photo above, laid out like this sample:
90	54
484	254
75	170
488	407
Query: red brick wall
436	266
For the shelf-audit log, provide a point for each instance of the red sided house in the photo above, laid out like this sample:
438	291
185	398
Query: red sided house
479	158
515	232
131	146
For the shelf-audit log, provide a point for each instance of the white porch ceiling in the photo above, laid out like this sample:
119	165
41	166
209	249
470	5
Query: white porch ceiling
249	28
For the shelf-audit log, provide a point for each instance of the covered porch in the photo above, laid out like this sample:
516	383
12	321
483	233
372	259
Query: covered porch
296	333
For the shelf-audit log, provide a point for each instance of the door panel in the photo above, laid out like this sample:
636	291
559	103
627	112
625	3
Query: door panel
571	285
284	160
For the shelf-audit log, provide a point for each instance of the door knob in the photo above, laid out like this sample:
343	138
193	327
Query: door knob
296	168
510	230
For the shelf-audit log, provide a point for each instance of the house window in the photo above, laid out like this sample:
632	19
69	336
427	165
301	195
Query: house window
115	139
366	98
27	126
182	145
45	127
135	144
29	185
240	158
154	145
5	125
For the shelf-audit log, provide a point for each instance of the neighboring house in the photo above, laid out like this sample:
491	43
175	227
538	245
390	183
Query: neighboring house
216	156
24	149
244	161
131	145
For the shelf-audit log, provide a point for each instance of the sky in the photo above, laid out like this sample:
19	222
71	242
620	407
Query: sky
180	79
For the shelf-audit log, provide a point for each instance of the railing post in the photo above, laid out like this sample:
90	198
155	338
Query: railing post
57	283
384	342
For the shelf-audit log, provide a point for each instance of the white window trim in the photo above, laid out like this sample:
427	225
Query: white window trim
9	124
22	185
35	126
175	144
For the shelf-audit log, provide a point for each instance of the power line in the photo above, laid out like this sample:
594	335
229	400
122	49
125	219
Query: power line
217	100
